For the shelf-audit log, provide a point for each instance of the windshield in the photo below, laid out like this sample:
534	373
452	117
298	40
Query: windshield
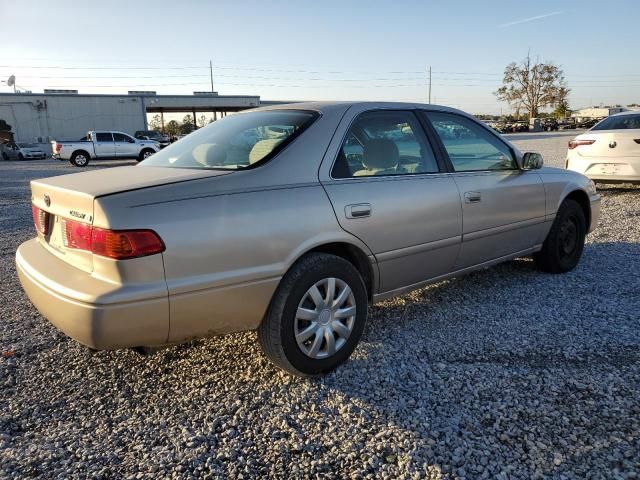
235	142
26	145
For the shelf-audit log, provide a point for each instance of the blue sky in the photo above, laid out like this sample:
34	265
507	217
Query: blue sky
368	50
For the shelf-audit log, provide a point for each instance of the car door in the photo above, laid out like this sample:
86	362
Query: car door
103	145
387	189
503	206
125	146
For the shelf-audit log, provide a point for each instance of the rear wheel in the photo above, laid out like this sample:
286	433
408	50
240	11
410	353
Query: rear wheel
562	249
144	154
80	159
316	316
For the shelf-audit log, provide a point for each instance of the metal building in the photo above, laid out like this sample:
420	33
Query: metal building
60	115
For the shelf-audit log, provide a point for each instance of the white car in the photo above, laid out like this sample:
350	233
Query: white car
23	151
610	151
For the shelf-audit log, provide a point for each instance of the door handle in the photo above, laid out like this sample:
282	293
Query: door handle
358	210
472	197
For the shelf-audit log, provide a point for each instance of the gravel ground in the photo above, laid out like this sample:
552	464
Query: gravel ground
505	373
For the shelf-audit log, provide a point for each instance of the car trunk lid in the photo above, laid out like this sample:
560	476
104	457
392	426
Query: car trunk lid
71	198
611	144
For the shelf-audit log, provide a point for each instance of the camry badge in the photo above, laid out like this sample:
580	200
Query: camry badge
612	144
47	200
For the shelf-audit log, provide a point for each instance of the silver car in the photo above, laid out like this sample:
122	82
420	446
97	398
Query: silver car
291	220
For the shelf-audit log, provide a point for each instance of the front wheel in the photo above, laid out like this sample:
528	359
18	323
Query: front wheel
144	154
316	316
562	249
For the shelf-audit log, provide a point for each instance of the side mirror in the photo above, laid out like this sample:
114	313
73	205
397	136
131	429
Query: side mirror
532	161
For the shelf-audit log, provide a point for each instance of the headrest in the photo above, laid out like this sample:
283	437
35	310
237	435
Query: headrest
210	154
263	148
380	153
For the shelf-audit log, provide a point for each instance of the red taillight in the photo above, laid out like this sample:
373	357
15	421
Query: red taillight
76	234
116	244
576	143
58	147
40	220
121	244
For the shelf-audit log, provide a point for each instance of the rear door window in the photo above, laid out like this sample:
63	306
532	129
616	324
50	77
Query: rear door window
383	143
104	137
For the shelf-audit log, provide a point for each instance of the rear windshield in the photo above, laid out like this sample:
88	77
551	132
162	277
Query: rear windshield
619	122
239	141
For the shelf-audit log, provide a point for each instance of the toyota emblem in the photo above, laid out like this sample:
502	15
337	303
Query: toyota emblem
47	200
612	144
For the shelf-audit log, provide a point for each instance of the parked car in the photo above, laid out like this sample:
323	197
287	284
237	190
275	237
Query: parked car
567	124
610	151
22	151
518	126
549	124
289	235
588	123
103	145
154	135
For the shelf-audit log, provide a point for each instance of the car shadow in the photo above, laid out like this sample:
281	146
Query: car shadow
617	188
468	400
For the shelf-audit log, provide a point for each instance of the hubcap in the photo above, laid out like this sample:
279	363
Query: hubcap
146	155
325	318
81	159
568	237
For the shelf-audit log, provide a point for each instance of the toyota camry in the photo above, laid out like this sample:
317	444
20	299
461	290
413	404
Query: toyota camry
290	220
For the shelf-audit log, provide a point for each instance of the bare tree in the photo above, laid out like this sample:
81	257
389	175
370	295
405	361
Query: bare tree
532	85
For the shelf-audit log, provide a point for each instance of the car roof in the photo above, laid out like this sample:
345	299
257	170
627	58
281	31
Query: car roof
327	106
629	112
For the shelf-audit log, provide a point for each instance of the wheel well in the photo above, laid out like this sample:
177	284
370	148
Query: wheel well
353	255
583	200
80	151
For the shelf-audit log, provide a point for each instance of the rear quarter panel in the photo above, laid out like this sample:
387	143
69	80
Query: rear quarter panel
227	251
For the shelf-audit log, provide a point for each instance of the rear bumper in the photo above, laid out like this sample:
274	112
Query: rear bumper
615	169
94	312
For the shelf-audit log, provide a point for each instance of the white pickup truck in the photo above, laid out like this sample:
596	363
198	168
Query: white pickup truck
103	145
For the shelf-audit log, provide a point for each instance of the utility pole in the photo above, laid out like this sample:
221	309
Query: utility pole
211	73
429	83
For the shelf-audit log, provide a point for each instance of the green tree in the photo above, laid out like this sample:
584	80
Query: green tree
172	127
202	121
562	109
532	85
187	125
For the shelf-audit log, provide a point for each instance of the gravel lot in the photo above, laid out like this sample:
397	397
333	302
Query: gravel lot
505	373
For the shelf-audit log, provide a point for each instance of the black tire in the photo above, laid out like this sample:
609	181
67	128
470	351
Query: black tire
145	153
5	156
276	332
20	156
562	249
80	159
